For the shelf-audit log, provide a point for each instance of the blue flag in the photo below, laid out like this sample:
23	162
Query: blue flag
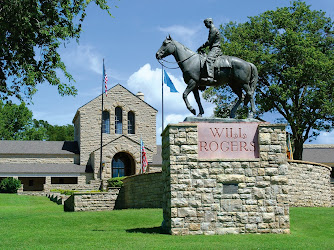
169	82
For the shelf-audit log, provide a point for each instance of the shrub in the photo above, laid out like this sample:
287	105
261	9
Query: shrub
116	182
9	185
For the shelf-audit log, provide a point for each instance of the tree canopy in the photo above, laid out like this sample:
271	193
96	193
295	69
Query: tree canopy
31	32
292	48
16	123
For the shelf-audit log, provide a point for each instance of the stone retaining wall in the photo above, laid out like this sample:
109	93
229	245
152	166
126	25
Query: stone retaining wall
141	191
91	201
309	184
224	196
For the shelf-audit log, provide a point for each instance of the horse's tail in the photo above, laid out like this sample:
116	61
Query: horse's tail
252	82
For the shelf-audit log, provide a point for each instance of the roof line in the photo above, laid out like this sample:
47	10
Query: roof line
74	118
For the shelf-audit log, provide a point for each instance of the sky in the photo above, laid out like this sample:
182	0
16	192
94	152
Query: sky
128	42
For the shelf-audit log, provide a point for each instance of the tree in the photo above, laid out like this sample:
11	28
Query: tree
31	32
13	120
292	48
16	123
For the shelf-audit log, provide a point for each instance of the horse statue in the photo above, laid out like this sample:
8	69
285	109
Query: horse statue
237	73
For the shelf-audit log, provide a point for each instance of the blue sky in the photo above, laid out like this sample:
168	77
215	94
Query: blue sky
128	43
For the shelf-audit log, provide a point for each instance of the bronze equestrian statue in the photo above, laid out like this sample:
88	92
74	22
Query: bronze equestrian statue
199	71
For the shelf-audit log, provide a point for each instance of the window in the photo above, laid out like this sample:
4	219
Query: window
131	123
122	165
118	121
105	122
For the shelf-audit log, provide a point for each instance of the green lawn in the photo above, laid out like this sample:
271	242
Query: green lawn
36	223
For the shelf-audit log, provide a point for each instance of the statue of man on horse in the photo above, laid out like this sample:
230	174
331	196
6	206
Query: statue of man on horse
240	75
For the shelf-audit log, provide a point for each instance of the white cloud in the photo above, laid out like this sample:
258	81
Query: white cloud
148	81
190	37
84	57
325	138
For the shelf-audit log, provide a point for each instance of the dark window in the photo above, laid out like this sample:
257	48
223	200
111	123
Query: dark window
122	165
105	122
31	183
131	123
118	121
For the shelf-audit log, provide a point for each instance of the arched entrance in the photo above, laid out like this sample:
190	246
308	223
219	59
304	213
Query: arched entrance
122	165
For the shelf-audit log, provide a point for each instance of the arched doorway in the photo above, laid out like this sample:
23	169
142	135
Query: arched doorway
122	165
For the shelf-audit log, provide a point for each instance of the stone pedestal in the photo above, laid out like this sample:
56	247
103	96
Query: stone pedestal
222	194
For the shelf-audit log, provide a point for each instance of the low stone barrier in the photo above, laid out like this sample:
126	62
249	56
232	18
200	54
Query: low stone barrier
309	184
141	191
92	201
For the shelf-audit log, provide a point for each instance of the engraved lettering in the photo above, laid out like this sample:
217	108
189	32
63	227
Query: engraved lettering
201	146
224	148
234	146
217	132
253	146
215	146
243	145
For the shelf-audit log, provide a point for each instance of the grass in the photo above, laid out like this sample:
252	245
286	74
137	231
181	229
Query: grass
28	222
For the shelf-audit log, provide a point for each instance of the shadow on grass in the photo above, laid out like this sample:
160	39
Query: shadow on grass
151	230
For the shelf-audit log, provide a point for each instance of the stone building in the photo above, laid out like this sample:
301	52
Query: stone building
126	120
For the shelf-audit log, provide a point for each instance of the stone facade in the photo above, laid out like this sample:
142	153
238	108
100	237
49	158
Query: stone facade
91	201
141	191
309	184
87	122
224	196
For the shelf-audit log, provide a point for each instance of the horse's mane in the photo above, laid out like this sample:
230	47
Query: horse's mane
184	47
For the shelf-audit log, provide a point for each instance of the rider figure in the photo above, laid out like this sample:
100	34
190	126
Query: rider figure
214	43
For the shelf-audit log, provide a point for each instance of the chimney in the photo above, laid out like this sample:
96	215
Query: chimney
140	95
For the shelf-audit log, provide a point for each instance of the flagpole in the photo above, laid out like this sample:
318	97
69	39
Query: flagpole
162	95
103	73
141	155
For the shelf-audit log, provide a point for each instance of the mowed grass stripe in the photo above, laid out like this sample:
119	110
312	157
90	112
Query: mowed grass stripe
28	222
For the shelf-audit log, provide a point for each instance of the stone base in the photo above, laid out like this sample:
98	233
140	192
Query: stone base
224	196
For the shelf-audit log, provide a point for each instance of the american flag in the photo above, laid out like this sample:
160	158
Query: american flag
105	79
105	83
144	162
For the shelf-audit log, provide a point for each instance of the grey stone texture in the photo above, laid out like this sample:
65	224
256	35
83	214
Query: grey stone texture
193	198
87	126
309	184
91	201
141	191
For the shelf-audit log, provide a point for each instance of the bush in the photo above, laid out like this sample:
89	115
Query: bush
116	182
9	185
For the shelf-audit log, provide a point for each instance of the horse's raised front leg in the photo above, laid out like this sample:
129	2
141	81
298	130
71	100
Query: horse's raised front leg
198	100
190	87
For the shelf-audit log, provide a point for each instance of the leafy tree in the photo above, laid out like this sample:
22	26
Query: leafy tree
31	32
292	48
16	123
13	120
60	133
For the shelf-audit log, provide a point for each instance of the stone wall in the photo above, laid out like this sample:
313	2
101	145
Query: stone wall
141	191
309	184
91	201
224	196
